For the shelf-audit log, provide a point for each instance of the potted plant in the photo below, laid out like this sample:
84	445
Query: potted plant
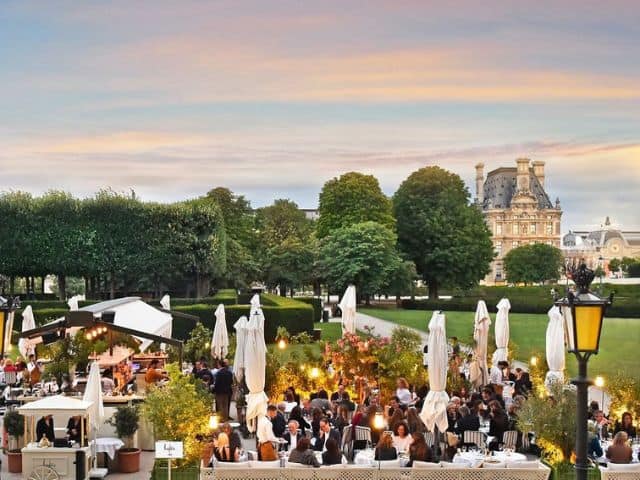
125	420
14	425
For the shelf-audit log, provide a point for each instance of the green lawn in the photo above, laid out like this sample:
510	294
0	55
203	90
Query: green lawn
619	343
330	332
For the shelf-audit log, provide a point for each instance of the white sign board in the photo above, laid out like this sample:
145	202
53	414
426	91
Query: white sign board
167	449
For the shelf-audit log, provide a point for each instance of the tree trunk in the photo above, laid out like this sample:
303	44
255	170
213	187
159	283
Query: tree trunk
398	300
433	290
12	285
292	292
112	286
42	278
283	290
367	300
86	286
62	287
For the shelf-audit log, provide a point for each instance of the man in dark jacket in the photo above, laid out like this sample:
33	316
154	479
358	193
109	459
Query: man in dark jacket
223	387
293	435
326	432
277	420
44	428
466	421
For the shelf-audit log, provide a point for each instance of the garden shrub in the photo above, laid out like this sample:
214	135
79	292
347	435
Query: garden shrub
316	303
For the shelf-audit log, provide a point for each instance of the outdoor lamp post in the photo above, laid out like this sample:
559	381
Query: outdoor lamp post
584	313
8	308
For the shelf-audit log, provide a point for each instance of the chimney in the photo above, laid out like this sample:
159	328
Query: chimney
480	183
522	182
538	171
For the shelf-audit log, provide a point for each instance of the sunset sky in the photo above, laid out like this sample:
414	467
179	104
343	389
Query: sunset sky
272	98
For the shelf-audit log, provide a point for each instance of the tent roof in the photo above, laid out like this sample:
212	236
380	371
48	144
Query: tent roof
56	404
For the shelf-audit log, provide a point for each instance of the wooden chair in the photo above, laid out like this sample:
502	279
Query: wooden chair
510	439
474	437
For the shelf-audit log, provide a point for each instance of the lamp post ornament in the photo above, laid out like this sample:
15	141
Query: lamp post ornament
584	313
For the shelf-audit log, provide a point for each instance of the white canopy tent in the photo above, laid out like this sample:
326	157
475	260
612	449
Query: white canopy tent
57	404
220	338
133	313
555	347
481	325
25	345
434	410
348	308
255	355
73	302
502	332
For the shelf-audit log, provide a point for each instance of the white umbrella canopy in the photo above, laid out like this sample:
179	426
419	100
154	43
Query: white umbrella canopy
502	331
434	409
481	324
555	347
220	339
241	334
255	355
93	393
348	308
73	302
26	345
165	302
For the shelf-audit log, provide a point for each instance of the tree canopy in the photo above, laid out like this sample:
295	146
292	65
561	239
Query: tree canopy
440	231
350	199
111	236
363	254
533	263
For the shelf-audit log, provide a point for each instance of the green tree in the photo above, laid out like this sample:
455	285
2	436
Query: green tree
626	262
17	232
282	221
289	264
533	263
440	231
239	220
363	254
633	270
614	265
350	199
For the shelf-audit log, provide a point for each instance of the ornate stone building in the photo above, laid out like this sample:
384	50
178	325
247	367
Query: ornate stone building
597	247
517	210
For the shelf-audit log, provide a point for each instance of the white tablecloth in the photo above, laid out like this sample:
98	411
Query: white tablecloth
475	459
365	457
108	445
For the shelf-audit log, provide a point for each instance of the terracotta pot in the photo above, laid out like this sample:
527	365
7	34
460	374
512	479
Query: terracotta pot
15	461
128	460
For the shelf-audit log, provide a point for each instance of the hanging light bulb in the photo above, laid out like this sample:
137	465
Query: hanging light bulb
282	344
315	372
213	422
378	421
88	335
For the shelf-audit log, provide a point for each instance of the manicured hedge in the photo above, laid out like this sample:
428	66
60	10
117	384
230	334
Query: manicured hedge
316	303
42	316
226	297
295	316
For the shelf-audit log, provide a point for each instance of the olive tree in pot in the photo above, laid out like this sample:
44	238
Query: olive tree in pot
14	425
125	420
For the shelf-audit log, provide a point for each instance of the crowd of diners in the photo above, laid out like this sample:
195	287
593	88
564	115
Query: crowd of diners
301	427
616	436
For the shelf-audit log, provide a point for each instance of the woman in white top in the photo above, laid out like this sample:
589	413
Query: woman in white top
402	392
401	437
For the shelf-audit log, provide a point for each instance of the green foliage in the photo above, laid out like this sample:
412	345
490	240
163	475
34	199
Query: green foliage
226	297
295	316
553	418
533	263
198	344
633	269
13	423
402	357
111	236
125	421
350	199
615	264
363	254
446	238
179	411
242	266
316	303
625	396
282	333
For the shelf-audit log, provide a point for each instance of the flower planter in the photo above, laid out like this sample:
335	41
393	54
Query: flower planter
14	462
159	472
128	460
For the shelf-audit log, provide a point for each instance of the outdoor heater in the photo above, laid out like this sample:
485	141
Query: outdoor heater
583	312
7	312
